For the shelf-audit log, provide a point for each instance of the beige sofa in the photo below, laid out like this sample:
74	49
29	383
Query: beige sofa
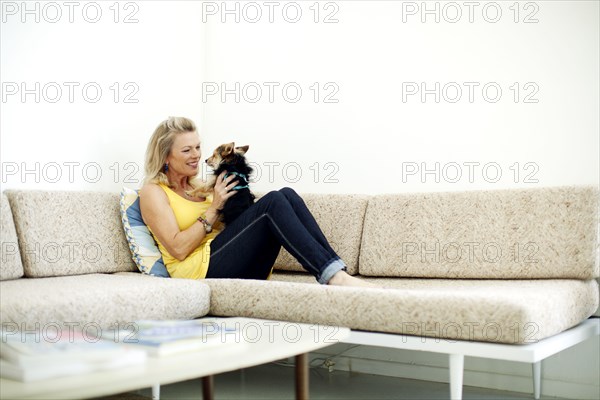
509	266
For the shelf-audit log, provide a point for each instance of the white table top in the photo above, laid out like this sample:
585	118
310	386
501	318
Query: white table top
261	341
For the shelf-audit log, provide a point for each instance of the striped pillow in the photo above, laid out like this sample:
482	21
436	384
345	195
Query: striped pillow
143	248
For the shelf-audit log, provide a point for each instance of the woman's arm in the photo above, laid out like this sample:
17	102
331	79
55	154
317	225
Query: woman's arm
158	215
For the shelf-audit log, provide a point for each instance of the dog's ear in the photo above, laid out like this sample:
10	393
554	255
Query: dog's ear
242	149
227	149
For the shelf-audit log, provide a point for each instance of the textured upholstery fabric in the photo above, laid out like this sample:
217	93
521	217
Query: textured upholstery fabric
513	234
289	276
11	266
341	220
101	299
297	277
144	250
75	233
69	233
501	311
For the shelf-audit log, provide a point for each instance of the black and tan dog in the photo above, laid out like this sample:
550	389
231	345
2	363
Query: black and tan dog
231	159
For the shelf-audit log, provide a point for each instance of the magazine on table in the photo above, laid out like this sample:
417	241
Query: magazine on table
164	337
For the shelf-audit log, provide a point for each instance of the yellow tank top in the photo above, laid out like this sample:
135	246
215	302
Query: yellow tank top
186	213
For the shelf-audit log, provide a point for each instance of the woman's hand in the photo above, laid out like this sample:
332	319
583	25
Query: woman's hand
222	191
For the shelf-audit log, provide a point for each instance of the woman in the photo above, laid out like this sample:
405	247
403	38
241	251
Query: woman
195	245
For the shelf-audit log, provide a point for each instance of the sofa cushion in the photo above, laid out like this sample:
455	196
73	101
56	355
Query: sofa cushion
11	266
69	233
512	234
101	300
501	311
144	250
340	217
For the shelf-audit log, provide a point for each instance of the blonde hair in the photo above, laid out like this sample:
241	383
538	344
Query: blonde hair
160	146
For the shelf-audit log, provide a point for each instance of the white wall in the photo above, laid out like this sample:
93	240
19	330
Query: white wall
84	144
359	144
371	134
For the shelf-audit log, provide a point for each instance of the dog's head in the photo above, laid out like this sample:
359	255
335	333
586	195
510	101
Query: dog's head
226	154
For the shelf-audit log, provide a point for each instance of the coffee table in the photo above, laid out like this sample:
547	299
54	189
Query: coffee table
262	341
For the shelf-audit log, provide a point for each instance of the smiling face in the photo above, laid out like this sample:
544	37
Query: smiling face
184	157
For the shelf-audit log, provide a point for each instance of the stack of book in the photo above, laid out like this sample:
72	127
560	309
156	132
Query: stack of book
31	356
35	355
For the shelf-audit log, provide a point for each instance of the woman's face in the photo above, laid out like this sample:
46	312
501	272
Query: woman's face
185	154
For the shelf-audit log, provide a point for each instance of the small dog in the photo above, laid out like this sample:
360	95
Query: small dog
232	159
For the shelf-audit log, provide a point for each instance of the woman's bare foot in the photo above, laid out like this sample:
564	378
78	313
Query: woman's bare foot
341	278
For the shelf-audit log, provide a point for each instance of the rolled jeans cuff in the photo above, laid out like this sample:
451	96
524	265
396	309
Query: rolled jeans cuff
333	268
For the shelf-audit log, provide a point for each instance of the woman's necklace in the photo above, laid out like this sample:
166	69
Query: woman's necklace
187	196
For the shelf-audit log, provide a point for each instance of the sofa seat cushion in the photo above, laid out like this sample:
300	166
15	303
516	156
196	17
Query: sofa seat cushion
101	300
520	311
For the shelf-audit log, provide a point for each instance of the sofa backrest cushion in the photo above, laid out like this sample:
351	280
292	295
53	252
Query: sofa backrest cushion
70	233
340	217
11	265
510	233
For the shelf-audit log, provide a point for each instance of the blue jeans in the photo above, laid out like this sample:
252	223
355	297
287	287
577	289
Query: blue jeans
247	247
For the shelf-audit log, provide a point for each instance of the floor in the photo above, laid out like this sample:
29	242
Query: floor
276	382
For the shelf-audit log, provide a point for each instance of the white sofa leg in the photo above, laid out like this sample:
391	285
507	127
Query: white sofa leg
457	362
156	392
537	379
